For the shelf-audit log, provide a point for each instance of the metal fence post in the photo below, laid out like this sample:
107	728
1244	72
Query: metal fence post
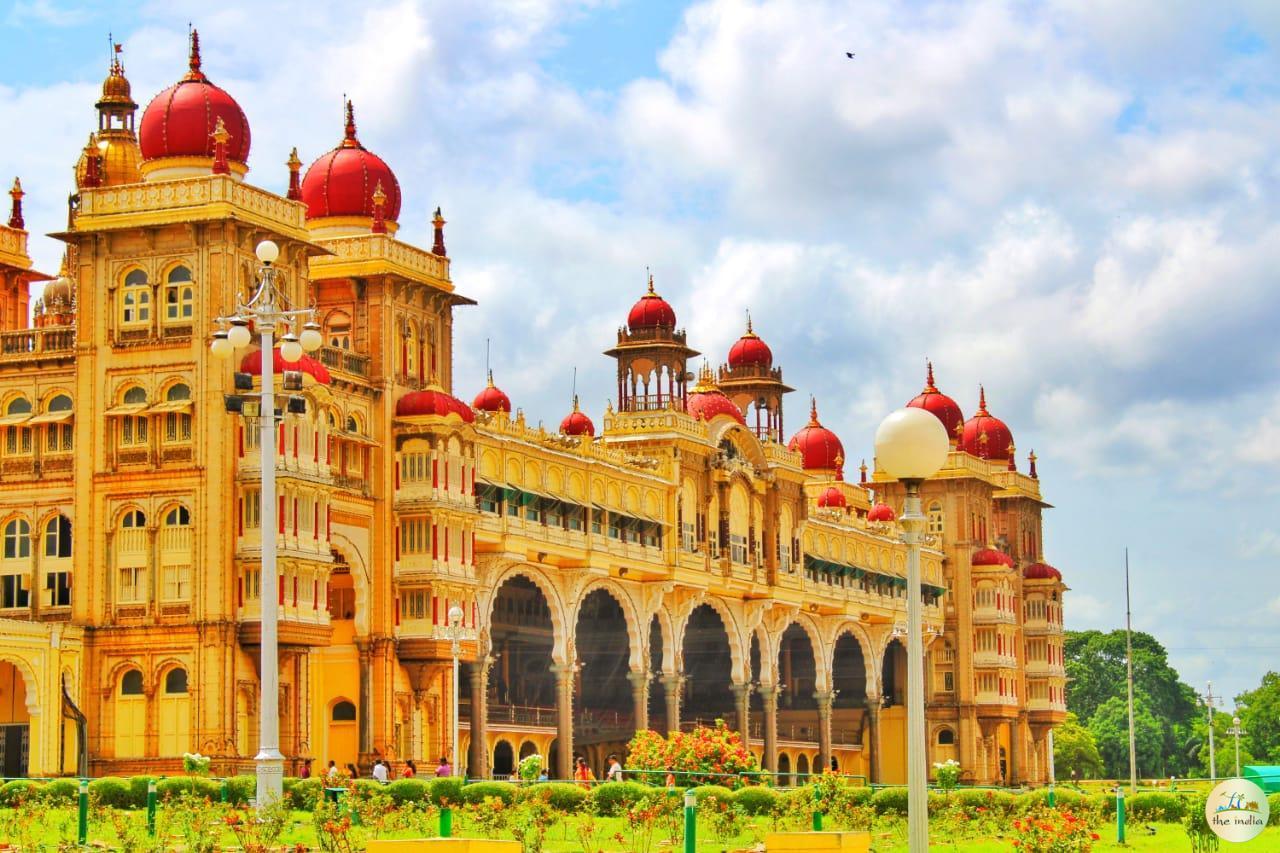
151	807
446	822
1119	814
690	822
83	828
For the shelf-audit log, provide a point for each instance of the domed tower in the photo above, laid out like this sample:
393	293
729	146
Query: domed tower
940	406
820	449
115	144
193	128
750	380
652	357
985	436
350	190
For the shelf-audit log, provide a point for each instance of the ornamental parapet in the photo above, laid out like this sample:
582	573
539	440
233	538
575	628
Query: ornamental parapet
13	248
25	346
361	255
499	426
667	419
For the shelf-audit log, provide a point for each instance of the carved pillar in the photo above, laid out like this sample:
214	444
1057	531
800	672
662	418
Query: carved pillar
366	699
564	719
671	686
769	694
873	736
640	698
1015	751
824	730
741	709
478	763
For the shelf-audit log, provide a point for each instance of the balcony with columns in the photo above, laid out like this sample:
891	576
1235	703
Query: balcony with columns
304	612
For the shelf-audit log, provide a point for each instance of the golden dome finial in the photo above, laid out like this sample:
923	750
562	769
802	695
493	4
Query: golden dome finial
652	292
749	329
15	213
813	410
929	387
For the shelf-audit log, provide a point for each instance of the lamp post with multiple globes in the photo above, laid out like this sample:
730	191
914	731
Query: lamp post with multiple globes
911	446
265	309
455	637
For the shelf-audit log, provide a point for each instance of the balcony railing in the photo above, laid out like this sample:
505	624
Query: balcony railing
345	361
992	616
986	659
26	343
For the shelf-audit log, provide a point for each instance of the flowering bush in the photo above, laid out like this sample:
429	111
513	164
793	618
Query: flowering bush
530	767
701	756
194	762
1050	831
947	773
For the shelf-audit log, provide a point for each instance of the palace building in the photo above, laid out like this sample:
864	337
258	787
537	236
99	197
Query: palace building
676	558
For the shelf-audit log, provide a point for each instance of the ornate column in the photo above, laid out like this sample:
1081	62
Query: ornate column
769	694
366	698
640	698
824	730
479	755
741	709
671	686
564	719
873	736
1015	750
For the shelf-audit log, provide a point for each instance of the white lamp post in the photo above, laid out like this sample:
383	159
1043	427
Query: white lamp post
1237	731
911	446
265	308
455	636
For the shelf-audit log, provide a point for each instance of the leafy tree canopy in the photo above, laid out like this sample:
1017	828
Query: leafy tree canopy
1110	729
1260	718
1096	672
1075	753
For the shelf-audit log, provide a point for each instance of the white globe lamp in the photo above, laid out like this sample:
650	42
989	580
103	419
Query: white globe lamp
239	335
221	346
911	444
267	252
311	337
455	615
290	348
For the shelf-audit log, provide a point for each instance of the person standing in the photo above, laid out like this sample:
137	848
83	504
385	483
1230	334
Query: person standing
443	768
332	774
583	773
380	771
410	769
614	773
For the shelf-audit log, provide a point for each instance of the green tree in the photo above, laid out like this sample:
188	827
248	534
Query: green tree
1075	752
1110	729
1260	717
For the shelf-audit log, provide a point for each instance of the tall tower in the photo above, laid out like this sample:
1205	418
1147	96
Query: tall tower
652	357
114	144
750	380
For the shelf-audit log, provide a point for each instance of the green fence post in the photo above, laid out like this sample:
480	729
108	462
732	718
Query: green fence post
446	822
1119	815
1053	800
83	829
224	791
151	807
690	822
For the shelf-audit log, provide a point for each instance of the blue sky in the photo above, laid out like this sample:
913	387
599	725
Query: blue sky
1073	202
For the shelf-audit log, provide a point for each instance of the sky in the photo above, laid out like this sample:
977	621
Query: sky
1072	202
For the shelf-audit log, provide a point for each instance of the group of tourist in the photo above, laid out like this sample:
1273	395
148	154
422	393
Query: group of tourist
382	772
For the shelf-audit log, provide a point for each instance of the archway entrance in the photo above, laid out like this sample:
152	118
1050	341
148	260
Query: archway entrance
849	707
15	723
523	638
708	669
893	719
657	691
504	761
343	731
605	709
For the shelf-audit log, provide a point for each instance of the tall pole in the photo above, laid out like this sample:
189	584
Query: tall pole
1053	776
917	772
1237	731
454	648
269	761
1128	643
1213	758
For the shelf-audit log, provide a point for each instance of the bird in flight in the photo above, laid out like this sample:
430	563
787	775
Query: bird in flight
848	54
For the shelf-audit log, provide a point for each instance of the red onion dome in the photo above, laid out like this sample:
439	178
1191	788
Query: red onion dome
991	557
180	121
1041	572
252	363
706	401
433	402
492	399
940	406
984	436
750	351
832	498
820	447
344	181
577	422
881	512
652	310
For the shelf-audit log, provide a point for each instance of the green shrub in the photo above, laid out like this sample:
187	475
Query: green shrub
1274	802
61	792
365	788
138	791
562	796
477	791
612	798
716	793
111	792
1105	804
411	790
938	802
890	801
856	795
446	789
998	802
1156	806
241	789
756	800
175	786
1064	798
304	793
17	791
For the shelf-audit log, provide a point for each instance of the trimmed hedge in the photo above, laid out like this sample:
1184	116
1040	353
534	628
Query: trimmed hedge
61	792
304	794
1156	806
561	796
718	793
612	798
176	786
999	802
241	789
17	791
477	791
446	789
890	801
1065	799
138	790
112	792
756	800
411	790
1274	802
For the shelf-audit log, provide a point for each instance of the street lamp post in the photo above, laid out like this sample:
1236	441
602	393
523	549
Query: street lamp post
1209	701
911	446
455	636
1237	731
266	308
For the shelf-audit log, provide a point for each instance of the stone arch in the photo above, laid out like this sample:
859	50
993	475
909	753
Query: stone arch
732	628
635	631
559	623
870	652
359	577
821	662
768	655
29	681
667	632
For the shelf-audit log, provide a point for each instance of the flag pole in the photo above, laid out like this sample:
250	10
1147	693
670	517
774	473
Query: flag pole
1128	641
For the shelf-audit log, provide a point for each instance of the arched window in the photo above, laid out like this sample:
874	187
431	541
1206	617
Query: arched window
57	420
135	300
175	681
935	523
17	540
175	555
14	592
946	737
131	716
177	409
57	576
131	683
131	557
57	537
133	424
179	296
338	330
175	714
412	349
344	712
17	436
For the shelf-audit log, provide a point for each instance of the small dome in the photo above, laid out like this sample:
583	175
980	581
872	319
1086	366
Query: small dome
991	557
940	406
577	422
750	351
651	311
1041	572
179	122
433	402
881	512
706	401
57	291
985	436
343	182
819	446
492	399
116	91
252	363
832	498
119	159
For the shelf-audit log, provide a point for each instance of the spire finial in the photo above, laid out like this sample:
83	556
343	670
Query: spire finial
813	410
1013	457
575	388
490	372
379	210
15	213
294	164
650	275
193	63
349	132
1031	459
862	472
437	221
220	136
749	331
928	378
982	401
